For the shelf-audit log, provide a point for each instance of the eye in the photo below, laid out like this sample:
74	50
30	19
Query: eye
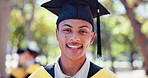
83	32
66	30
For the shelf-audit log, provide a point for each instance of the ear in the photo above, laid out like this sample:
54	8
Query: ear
93	34
57	32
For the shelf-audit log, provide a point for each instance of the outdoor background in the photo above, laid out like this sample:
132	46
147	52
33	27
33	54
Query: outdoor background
124	35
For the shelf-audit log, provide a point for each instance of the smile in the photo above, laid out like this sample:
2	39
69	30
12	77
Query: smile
74	46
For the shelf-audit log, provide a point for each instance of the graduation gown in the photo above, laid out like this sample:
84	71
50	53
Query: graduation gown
21	72
94	72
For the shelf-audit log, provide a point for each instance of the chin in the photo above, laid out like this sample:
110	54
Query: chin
75	56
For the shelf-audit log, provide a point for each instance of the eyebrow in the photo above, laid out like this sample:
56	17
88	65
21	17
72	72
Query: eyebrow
84	26
67	25
79	27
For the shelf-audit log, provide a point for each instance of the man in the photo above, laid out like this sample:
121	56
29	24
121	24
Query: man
19	71
27	62
75	33
32	51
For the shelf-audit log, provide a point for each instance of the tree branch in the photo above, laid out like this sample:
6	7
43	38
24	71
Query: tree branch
139	36
124	2
138	2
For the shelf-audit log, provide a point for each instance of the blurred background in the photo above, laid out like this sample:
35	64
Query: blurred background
124	35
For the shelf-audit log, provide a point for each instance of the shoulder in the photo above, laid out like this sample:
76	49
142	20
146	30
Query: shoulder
40	73
96	71
93	69
18	73
32	68
50	69
104	73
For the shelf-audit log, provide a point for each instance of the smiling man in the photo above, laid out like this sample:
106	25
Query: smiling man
75	33
74	37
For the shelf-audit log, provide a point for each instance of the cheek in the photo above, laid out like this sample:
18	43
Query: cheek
86	41
61	39
62	35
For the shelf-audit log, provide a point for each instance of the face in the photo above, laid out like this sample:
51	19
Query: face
74	37
22	58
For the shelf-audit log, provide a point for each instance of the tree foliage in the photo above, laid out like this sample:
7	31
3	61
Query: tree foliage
28	15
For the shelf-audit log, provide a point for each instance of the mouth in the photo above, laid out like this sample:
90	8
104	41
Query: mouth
74	46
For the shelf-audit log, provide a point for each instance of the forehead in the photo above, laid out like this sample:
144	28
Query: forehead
75	23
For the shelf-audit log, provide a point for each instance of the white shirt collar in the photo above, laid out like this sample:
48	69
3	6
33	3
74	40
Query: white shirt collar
30	62
82	73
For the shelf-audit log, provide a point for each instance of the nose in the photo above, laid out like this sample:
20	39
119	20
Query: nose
75	37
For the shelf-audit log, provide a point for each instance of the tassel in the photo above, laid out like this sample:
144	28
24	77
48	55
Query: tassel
99	53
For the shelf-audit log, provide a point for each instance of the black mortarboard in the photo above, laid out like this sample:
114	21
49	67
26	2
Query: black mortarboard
33	48
78	9
20	51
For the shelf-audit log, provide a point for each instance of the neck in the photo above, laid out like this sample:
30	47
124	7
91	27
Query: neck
71	67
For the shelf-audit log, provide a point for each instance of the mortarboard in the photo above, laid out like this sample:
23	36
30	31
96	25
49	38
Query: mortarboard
33	48
20	51
78	9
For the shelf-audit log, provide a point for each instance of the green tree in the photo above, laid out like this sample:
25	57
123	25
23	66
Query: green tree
137	23
17	29
134	11
27	10
41	25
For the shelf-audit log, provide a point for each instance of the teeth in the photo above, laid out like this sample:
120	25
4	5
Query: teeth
75	47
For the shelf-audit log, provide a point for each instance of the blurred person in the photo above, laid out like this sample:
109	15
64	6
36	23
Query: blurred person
19	71
27	62
32	51
75	33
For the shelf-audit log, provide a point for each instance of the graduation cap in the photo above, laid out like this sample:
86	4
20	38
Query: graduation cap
78	9
33	48
20	51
